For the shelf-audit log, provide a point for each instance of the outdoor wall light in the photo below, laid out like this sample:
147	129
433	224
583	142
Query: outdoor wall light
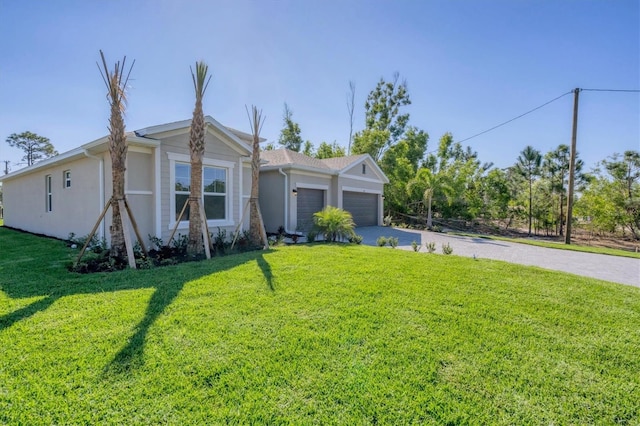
294	192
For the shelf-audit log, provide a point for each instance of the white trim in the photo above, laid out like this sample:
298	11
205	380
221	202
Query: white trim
158	189
66	179
363	179
311	186
182	158
361	190
186	159
137	192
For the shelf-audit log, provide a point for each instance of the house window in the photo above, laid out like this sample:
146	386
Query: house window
364	169
49	194
214	191
67	178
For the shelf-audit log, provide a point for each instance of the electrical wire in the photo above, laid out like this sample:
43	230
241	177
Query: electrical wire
612	90
515	118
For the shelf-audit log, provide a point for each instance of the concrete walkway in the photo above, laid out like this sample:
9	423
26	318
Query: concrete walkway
617	269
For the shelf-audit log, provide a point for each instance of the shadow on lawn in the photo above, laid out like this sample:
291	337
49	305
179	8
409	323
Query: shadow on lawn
27	270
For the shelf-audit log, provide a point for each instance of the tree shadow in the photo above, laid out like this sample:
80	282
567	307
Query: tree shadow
11	318
266	271
35	276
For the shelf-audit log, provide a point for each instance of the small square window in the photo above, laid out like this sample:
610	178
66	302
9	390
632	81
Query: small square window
67	178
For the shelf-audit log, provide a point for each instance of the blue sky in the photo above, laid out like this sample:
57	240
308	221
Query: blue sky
469	65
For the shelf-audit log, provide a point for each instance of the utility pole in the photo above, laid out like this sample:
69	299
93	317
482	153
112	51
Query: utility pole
6	166
572	166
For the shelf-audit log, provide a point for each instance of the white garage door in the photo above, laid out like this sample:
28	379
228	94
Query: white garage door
362	206
309	201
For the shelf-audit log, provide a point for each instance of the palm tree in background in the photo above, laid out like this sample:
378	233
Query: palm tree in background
116	83
429	184
196	147
528	166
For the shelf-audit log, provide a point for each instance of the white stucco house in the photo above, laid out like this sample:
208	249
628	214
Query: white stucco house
67	193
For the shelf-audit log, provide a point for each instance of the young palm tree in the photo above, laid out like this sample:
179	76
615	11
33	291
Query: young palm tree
429	183
196	147
528	165
116	83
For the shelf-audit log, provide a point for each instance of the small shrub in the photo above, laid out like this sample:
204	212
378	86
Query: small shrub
356	239
387	221
381	241
156	243
179	243
311	236
393	242
415	246
431	247
220	241
447	249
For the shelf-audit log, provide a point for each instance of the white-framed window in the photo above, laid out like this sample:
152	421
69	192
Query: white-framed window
216	189
66	178
49	193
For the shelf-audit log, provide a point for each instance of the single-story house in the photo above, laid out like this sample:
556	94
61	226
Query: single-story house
293	186
66	193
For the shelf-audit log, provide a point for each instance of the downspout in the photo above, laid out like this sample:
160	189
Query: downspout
286	202
101	190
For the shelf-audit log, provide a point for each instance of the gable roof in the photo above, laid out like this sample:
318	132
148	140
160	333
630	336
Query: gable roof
85	150
242	139
285	158
143	137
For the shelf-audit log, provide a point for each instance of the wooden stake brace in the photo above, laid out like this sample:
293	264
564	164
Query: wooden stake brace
126	216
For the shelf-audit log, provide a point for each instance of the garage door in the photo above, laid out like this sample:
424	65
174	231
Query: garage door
309	201
362	206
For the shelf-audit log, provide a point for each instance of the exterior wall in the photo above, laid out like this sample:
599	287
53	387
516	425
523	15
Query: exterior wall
215	149
74	209
246	194
272	202
140	190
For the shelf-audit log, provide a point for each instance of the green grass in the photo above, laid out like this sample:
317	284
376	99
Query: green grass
313	334
554	245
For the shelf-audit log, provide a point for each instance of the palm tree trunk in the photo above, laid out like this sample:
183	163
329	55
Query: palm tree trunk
429	218
196	244
118	152
530	200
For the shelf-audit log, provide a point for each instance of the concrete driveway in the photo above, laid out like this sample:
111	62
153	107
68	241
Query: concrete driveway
617	269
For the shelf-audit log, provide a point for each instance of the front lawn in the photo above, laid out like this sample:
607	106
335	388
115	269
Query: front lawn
312	334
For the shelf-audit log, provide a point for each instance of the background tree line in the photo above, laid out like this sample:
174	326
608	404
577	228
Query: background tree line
449	181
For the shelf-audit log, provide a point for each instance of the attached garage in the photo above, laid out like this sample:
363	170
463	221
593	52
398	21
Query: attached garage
354	183
309	201
362	206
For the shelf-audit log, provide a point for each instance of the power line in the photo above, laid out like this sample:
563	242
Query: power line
515	118
612	90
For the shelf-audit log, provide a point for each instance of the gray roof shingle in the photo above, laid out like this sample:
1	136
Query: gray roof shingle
285	157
